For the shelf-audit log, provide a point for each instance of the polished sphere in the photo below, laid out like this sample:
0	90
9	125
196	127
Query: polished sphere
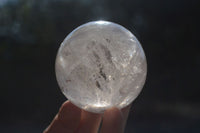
101	65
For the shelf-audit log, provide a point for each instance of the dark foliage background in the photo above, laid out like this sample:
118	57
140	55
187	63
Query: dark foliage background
32	30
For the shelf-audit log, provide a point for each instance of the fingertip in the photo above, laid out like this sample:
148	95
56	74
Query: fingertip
125	111
68	109
112	121
89	122
113	114
67	119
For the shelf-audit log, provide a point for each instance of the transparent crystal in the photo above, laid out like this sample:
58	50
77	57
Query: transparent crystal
100	65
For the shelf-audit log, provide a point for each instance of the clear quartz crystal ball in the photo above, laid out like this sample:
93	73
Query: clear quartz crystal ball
101	65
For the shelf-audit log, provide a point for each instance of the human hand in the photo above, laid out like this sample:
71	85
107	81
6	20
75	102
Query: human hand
71	119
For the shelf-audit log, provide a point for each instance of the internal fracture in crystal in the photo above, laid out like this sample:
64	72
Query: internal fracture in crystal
101	65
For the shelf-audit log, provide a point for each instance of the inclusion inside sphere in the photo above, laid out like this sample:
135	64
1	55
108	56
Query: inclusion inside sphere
101	65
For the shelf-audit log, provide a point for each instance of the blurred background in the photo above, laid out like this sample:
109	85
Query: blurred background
32	30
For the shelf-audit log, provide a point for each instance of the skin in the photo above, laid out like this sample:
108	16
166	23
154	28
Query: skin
71	119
